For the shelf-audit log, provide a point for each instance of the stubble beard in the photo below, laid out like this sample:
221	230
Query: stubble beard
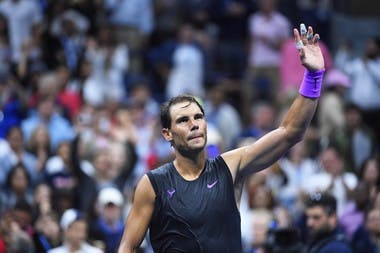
189	151
319	234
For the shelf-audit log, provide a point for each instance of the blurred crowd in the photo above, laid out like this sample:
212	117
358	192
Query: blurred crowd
81	82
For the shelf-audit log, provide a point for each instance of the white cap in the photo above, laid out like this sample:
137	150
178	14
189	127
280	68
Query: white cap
110	195
69	217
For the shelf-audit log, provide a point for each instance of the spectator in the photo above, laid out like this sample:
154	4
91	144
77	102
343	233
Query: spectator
39	146
108	226
334	178
18	188
353	214
69	29
186	73
261	121
366	237
12	103
60	129
110	63
268	31
74	227
17	154
297	167
370	173
365	90
231	18
261	221
373	226
331	114
322	225
356	140
59	169
42	203
5	48
132	22
47	234
21	16
220	113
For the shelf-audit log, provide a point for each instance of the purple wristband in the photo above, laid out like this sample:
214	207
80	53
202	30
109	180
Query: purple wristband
311	84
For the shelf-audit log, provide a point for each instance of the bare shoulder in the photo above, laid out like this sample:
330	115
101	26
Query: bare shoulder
233	160
144	190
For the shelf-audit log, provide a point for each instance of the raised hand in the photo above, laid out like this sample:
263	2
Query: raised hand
309	51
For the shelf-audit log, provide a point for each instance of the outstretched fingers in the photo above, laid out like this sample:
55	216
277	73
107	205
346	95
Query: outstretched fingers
298	41
316	38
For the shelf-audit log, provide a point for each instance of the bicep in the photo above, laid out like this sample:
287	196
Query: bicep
139	216
258	155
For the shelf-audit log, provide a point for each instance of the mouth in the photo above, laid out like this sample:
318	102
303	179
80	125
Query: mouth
193	137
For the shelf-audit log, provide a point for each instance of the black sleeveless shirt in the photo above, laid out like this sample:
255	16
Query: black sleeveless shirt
198	216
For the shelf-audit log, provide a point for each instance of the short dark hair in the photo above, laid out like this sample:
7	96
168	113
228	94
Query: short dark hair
165	108
323	199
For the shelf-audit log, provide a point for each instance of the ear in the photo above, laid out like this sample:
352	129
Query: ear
167	134
333	220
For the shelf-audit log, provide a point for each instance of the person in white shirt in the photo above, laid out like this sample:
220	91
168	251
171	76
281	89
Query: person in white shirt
334	178
21	15
186	74
74	227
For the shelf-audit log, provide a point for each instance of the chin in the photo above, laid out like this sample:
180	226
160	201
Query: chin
192	149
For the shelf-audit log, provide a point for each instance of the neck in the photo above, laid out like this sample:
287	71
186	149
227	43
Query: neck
74	247
190	167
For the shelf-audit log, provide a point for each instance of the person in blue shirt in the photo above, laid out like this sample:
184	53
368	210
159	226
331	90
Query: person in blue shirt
324	234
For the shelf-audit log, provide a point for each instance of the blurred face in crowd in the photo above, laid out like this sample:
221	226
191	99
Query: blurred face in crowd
319	222
15	139
373	222
48	225
19	180
42	193
111	213
372	49
41	136
353	117
331	162
64	151
46	108
76	233
371	171
376	202
267	6
260	227
263	116
102	163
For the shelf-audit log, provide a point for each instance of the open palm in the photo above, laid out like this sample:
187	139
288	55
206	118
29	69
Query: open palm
310	53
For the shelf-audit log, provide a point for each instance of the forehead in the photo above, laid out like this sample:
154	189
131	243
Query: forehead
184	109
315	210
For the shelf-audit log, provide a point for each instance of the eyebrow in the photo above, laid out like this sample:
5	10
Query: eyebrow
181	118
186	117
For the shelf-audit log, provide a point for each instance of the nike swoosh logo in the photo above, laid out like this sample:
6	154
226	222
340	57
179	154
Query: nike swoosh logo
171	192
209	186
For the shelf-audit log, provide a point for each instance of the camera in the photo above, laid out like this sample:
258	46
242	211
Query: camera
284	240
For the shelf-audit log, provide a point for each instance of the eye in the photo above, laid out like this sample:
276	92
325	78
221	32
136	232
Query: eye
182	120
199	116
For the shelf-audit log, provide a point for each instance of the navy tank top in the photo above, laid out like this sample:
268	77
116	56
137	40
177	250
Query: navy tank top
198	216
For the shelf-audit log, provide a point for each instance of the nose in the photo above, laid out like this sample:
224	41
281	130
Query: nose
194	127
309	222
194	124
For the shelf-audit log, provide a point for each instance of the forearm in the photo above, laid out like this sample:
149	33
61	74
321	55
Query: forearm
298	117
124	248
303	108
